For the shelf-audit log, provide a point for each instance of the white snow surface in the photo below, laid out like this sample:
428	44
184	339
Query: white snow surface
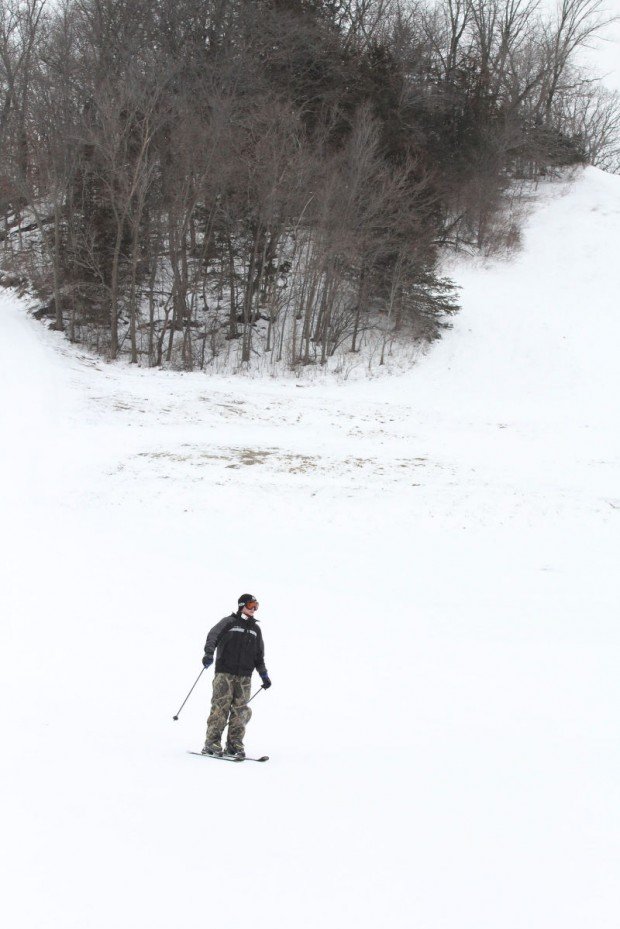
436	556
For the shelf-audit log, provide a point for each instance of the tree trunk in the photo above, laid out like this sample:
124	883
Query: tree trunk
114	290
361	297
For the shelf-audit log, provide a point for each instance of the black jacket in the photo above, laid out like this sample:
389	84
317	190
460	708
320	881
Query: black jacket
239	644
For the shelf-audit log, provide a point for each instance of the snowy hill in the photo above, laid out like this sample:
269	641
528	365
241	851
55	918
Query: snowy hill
436	559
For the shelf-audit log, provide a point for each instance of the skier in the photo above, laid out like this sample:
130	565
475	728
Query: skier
239	643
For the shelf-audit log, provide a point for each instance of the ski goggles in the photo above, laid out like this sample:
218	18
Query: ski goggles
252	605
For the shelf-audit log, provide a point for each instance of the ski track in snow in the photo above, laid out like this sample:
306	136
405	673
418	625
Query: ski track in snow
435	554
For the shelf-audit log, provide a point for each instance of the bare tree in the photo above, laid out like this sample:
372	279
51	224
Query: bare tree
189	180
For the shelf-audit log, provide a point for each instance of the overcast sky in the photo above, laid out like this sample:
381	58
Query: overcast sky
604	54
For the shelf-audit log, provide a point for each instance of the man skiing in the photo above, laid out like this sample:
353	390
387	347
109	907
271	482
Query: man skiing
240	649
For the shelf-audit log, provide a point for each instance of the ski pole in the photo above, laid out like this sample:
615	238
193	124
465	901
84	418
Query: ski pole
254	695
189	694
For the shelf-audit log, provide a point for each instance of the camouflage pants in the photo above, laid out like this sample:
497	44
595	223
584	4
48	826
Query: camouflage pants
229	704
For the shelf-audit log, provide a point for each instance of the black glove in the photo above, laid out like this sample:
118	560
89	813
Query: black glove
207	662
266	681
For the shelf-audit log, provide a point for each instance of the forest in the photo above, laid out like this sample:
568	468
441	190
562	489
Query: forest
216	184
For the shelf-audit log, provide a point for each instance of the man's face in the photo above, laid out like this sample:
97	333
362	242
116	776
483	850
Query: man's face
250	608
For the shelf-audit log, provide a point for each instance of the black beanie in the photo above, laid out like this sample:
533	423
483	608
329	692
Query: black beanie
244	599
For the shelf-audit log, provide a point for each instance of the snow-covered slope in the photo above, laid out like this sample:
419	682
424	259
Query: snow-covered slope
435	556
536	340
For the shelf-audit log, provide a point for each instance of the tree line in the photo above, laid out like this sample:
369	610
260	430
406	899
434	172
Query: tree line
183	181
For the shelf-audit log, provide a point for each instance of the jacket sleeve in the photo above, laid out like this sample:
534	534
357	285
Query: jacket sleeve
216	633
260	656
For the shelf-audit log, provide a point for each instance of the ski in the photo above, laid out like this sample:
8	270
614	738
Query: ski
219	757
229	757
262	758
